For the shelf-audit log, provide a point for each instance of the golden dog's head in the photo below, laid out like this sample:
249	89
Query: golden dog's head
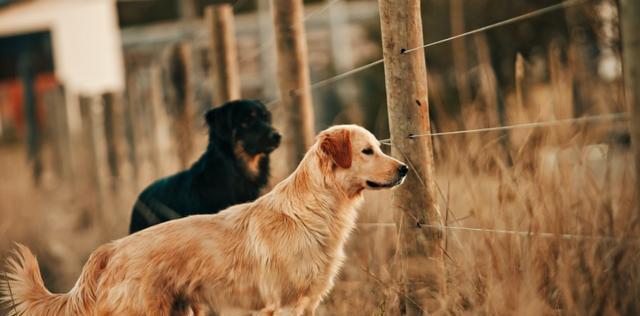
353	157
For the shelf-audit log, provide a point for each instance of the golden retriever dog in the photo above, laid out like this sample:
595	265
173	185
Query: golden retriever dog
278	255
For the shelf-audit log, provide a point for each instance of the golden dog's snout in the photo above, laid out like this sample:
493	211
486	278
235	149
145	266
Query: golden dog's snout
403	170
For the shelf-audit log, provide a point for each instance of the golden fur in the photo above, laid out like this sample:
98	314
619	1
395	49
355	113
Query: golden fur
276	256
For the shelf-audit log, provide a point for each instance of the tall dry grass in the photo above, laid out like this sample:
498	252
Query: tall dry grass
573	183
575	180
580	184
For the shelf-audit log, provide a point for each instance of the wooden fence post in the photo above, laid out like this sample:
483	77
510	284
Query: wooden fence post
630	10
266	51
186	107
222	49
58	127
178	67
415	201
293	79
162	137
456	13
112	104
145	110
187	9
27	74
91	158
340	102
131	130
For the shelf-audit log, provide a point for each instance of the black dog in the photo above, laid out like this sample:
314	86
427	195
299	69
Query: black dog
233	169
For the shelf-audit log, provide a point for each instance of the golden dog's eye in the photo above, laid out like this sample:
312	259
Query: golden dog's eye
367	151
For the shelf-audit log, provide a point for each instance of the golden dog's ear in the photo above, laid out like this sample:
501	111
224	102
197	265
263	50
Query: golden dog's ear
337	145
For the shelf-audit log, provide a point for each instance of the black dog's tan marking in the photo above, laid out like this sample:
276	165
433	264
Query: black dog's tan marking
251	162
233	169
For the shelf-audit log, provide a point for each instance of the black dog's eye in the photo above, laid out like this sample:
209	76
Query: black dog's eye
367	151
248	121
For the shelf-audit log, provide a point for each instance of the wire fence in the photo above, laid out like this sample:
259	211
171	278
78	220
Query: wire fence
518	18
584	119
270	43
505	232
551	123
529	15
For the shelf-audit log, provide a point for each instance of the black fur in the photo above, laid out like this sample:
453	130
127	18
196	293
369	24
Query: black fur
220	177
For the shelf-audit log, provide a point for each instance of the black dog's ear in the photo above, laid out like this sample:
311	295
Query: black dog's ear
219	121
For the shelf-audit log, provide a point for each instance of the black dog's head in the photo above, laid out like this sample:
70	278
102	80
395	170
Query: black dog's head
246	123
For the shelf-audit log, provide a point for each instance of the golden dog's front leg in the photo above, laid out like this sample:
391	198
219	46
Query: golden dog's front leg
267	311
302	305
297	309
199	310
310	309
283	311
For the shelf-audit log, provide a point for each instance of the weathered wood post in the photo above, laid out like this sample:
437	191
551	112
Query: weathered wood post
415	201
180	97
92	166
293	78
341	99
56	104
112	103
186	107
222	51
130	130
266	51
456	13
145	110
187	9
162	136
492	95
630	10
27	74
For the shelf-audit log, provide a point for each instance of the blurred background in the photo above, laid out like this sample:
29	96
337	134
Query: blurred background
98	98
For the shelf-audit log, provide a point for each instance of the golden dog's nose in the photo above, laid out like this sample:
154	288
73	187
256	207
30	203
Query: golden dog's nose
402	170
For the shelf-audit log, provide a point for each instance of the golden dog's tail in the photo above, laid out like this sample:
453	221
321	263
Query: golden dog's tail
24	293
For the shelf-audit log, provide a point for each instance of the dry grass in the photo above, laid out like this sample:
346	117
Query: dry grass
562	180
567	188
578	192
567	180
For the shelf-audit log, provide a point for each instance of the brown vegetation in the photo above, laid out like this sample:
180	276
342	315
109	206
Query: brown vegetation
573	179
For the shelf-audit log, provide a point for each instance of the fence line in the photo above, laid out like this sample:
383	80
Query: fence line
532	14
271	42
327	81
335	78
320	10
504	232
525	16
591	118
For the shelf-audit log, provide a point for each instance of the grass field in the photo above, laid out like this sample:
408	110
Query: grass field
573	180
